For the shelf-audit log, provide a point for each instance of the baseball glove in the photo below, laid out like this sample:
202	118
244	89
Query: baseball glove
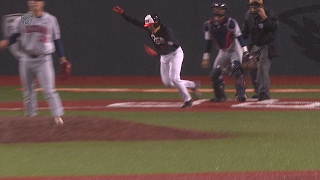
150	51
249	63
65	70
118	9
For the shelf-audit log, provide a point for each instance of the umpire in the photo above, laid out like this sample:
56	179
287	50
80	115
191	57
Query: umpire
261	23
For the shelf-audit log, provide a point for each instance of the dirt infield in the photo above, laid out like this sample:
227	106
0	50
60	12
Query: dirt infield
202	105
79	128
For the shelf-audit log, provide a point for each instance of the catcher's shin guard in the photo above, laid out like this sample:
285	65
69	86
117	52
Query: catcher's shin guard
240	84
241	89
218	85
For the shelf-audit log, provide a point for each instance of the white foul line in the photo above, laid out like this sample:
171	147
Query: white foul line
152	104
274	103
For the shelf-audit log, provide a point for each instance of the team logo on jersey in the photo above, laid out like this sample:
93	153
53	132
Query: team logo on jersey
157	40
26	19
261	25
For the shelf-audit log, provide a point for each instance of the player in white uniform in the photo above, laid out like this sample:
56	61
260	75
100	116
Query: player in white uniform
39	34
171	54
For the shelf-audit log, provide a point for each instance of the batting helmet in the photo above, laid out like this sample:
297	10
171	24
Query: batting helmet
151	19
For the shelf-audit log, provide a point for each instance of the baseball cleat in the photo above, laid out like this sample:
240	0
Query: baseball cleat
187	104
263	96
223	99
255	96
242	98
58	120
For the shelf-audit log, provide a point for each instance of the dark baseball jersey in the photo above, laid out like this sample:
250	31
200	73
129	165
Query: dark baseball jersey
262	32
164	40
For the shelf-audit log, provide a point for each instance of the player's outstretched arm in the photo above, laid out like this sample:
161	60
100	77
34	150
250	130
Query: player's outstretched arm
128	18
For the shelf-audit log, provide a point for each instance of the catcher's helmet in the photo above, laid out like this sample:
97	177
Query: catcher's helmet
151	19
219	4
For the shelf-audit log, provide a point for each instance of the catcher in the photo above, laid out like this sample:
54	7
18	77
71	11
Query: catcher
39	35
225	34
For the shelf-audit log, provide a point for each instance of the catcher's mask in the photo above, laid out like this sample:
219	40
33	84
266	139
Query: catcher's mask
152	19
219	9
254	5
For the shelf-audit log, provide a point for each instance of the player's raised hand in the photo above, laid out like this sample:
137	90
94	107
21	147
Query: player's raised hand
118	9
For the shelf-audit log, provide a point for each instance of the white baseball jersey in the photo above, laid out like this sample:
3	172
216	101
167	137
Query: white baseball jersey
35	61
37	38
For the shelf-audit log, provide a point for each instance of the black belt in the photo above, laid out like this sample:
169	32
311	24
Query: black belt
34	56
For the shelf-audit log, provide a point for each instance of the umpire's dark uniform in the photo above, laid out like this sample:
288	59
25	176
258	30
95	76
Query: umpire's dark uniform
263	35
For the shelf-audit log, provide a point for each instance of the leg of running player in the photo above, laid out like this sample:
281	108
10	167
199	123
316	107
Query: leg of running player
174	74
28	83
170	74
165	70
46	76
177	69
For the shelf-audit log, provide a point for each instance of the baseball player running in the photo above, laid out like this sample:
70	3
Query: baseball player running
225	33
39	34
171	54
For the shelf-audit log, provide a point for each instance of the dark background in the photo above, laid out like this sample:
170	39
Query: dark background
100	42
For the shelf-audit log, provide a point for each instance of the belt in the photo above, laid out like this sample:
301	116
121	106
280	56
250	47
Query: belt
35	56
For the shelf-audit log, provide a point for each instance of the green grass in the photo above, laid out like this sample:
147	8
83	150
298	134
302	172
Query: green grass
264	141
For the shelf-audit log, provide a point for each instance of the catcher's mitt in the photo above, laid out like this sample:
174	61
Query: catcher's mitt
65	70
249	63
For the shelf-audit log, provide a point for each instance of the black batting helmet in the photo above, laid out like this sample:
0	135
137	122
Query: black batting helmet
151	19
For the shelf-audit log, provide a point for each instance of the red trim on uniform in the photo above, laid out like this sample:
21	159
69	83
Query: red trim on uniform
229	37
227	40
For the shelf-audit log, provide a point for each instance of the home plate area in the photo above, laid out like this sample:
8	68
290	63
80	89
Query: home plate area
174	105
277	104
229	104
152	104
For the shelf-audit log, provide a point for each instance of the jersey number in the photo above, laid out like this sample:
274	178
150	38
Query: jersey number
42	39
